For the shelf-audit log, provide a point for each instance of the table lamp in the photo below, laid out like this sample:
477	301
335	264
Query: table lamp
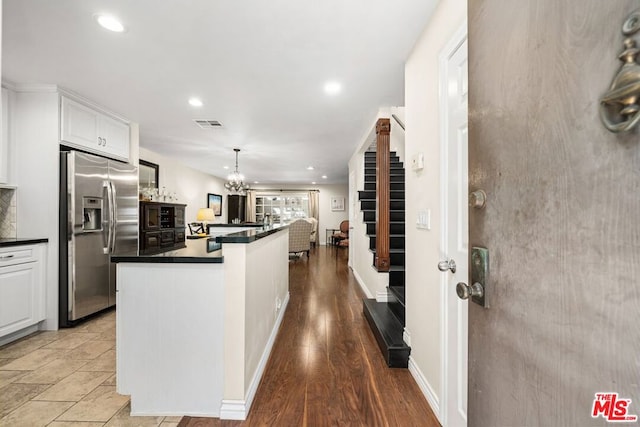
204	215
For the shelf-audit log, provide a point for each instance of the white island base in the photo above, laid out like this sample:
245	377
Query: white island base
194	338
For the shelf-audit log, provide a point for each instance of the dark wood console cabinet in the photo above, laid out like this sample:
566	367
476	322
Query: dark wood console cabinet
236	207
161	227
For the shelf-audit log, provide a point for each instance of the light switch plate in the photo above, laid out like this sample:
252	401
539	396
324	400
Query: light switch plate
424	219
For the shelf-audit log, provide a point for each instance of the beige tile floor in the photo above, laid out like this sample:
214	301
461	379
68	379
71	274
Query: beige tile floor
67	378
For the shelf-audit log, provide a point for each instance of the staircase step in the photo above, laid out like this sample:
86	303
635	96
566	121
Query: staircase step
394	167
396	303
394	177
370	215
396	256
395	186
394	205
371	195
396	241
366	195
370	156
398	293
387	329
396	276
395	227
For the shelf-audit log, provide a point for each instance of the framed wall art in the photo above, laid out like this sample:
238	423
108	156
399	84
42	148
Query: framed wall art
337	203
214	201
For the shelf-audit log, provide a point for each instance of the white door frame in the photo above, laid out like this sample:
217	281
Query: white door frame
458	38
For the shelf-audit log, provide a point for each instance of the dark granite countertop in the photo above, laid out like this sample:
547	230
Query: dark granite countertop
17	242
244	224
251	234
200	251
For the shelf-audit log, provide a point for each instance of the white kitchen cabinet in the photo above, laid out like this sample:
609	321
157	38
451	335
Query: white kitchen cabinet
88	129
22	287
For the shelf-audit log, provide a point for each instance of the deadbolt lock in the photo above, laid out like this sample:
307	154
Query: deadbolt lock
478	199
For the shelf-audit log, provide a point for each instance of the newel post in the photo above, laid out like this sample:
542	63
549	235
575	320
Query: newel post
383	156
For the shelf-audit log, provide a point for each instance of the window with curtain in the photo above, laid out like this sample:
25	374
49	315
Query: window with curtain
283	207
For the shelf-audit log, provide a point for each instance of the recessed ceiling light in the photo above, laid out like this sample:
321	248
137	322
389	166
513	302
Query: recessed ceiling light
324	176
195	102
256	182
110	22
332	88
313	182
310	168
225	167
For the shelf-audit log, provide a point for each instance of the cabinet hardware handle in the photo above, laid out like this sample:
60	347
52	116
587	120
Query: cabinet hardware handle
6	256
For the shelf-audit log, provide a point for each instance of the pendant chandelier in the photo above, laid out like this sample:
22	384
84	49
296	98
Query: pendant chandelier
235	180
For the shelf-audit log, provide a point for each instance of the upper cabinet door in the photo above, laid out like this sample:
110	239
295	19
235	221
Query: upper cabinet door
85	128
79	125
115	137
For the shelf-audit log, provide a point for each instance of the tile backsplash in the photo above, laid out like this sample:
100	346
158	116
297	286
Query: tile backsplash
8	213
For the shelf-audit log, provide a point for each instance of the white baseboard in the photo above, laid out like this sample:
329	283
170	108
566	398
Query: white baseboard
361	283
425	387
233	410
18	334
406	337
239	409
382	296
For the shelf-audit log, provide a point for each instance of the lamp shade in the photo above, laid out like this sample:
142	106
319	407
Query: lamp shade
205	214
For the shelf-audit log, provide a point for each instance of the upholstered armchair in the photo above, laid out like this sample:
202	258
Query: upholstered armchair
300	236
314	230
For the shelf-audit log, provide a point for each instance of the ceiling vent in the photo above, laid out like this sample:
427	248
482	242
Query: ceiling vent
208	124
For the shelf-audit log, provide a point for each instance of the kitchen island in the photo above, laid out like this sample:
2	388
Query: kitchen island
195	326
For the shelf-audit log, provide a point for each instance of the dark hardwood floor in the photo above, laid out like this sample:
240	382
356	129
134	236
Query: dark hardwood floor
325	368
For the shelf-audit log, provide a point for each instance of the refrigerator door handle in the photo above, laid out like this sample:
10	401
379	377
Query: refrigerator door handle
114	211
107	219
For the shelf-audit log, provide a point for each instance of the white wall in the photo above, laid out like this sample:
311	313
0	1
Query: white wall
256	292
37	163
328	218
423	295
190	184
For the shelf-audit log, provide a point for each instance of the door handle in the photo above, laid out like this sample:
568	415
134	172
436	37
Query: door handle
114	211
106	219
447	265
465	291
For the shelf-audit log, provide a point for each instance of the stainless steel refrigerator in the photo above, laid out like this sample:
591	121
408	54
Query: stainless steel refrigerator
98	219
